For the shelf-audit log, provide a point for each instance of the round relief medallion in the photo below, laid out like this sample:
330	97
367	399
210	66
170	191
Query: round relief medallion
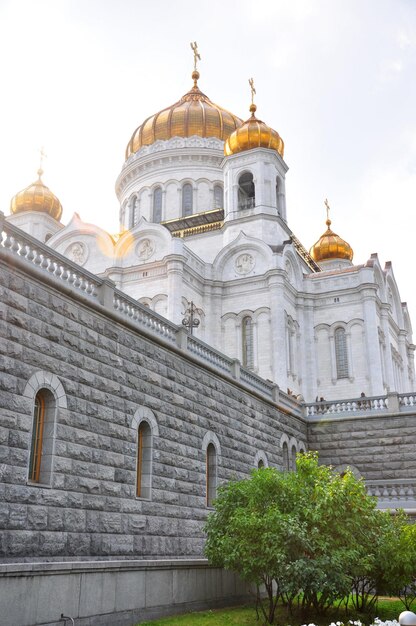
244	263
77	252
145	249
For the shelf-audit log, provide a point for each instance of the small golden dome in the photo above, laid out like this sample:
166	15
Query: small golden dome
253	134
331	246
193	114
36	197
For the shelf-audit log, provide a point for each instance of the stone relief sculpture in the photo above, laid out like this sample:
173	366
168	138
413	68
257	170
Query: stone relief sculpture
244	263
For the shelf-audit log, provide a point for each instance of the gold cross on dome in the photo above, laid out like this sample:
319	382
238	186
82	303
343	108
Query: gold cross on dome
253	91
197	56
326	203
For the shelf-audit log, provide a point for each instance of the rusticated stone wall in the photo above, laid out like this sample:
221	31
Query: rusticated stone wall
379	447
103	373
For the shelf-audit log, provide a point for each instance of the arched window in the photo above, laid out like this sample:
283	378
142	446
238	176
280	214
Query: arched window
293	459
211	474
134	211
260	464
246	191
341	356
247	342
157	205
187	200
144	460
42	438
278	194
285	451
218	197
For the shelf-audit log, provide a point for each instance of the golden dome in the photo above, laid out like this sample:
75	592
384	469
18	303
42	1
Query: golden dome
36	197
193	114
331	246
253	134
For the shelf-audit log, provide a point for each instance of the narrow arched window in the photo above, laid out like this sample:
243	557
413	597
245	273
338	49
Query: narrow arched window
246	191
211	474
293	459
341	356
134	211
218	197
247	342
187	198
278	194
42	439
285	451
157	205
144	460
260	464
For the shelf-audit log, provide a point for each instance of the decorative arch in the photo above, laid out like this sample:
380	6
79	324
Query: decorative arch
341	469
260	460
143	413
46	380
211	437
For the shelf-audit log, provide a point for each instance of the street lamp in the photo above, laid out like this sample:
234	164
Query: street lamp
190	321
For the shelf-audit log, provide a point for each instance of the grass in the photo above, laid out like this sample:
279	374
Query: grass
387	609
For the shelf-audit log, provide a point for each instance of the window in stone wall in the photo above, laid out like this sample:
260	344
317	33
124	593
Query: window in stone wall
211	474
247	342
157	205
285	451
218	197
144	461
260	464
341	356
187	200
42	438
293	459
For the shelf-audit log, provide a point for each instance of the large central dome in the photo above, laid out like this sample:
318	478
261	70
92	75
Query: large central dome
193	114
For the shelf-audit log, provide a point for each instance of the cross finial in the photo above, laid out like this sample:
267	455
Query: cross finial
253	91
253	107
42	156
326	203
197	56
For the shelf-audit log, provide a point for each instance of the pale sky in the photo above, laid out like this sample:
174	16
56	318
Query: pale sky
335	78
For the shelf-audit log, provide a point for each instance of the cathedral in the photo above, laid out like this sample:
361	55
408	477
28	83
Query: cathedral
205	239
141	370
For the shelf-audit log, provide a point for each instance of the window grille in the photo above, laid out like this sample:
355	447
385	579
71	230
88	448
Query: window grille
218	197
157	205
187	202
341	356
247	332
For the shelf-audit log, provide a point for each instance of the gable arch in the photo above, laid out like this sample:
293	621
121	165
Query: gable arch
261	457
144	414
211	437
46	380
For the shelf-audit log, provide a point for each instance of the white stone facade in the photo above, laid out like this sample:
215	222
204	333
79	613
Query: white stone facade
332	332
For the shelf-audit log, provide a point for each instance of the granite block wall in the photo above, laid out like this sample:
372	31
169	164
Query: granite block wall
380	448
102	373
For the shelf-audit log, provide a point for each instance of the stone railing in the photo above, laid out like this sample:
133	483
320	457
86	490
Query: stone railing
391	403
407	402
393	493
102	291
209	354
344	408
34	252
143	316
